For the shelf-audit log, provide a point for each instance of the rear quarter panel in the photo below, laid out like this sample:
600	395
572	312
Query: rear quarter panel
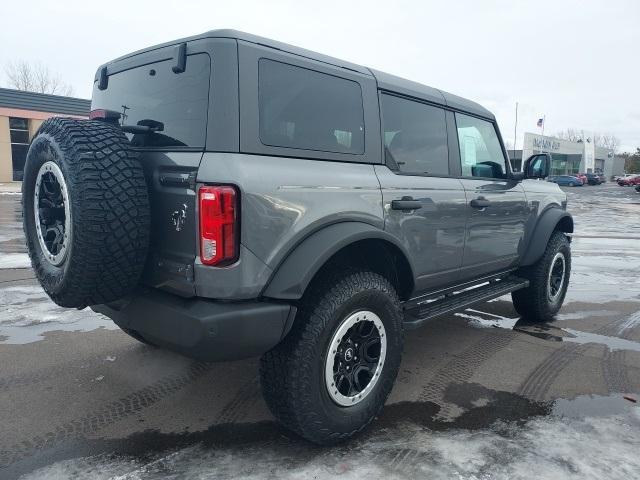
284	200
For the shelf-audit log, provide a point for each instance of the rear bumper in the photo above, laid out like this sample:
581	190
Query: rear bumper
202	329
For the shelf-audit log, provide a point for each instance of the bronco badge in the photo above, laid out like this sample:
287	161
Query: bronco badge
178	217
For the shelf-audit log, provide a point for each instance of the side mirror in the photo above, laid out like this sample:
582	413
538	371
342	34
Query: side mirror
537	166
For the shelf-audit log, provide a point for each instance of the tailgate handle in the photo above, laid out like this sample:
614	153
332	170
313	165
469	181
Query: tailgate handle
177	179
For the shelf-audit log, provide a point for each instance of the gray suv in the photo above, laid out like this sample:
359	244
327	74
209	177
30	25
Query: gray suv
231	196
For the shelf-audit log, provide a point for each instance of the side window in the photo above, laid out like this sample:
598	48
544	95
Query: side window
309	110
480	152
415	136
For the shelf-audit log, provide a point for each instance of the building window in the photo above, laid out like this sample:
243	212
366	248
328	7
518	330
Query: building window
19	135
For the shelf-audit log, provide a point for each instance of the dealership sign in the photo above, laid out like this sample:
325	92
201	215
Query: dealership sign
541	143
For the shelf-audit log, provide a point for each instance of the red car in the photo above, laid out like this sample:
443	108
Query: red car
629	181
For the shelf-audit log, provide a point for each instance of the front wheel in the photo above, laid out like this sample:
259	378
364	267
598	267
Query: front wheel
548	282
571	184
331	375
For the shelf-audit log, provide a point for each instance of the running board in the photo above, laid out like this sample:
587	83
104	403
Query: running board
460	300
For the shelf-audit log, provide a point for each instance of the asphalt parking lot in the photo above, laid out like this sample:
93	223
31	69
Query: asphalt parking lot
479	395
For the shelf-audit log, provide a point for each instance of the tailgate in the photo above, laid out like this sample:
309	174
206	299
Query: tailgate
175	102
171	181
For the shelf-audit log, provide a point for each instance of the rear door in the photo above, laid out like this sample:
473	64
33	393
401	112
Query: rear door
425	207
496	205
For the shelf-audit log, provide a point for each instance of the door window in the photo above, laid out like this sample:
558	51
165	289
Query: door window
415	137
481	154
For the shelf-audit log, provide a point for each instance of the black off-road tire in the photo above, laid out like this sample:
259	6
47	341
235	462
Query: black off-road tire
533	303
109	211
293	373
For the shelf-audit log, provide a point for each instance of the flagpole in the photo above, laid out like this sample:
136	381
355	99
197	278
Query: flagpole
544	120
515	135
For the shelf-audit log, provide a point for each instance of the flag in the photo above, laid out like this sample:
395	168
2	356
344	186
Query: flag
540	122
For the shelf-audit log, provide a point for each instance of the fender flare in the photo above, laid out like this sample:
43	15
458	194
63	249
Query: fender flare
546	225
294	274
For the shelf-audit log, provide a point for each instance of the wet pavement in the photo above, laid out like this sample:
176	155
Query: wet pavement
480	393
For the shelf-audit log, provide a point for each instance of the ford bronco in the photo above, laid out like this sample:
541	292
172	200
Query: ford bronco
231	196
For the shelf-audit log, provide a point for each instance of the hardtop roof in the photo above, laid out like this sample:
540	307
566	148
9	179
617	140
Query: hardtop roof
385	81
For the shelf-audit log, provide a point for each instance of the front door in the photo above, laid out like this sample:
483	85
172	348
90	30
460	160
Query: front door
496	205
425	207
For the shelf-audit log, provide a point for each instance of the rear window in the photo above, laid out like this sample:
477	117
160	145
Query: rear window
309	110
415	137
154	92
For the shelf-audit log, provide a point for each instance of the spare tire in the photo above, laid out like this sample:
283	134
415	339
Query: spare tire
85	212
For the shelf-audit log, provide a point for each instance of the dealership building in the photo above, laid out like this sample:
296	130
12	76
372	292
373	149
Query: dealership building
569	158
21	114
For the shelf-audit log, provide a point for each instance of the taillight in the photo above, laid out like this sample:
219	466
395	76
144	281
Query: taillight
109	116
218	225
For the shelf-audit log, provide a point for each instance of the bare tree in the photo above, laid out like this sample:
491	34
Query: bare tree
606	140
570	134
35	77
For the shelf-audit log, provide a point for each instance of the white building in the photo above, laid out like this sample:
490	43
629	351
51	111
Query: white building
569	158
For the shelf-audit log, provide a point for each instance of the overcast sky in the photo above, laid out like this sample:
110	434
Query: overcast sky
577	62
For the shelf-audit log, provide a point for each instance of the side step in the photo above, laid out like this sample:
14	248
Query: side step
460	300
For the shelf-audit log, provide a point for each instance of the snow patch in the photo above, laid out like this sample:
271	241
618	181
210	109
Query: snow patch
14	260
629	323
28	314
478	319
551	447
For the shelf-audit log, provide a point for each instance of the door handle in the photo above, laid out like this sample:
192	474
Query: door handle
480	202
406	203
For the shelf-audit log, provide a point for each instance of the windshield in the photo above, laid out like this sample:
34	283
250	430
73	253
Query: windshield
154	92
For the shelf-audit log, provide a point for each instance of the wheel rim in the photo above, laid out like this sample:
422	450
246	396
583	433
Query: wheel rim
355	358
555	280
52	213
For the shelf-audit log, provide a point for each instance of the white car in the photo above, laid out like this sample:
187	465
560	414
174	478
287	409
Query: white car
626	175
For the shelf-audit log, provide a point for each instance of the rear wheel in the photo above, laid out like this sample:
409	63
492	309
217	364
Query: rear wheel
331	375
571	184
548	282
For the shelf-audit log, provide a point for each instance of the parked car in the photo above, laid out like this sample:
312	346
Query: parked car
629	180
593	179
258	199
637	187
566	180
582	176
619	177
